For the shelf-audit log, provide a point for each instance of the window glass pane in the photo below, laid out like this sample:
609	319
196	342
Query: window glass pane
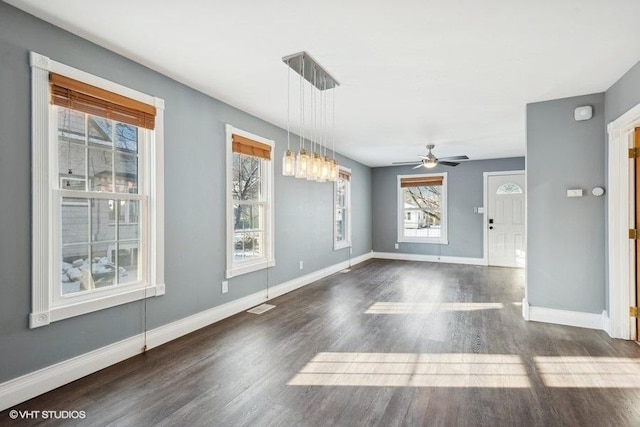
74	221
340	192
128	224
340	224
247	245
100	131
100	170
126	138
102	227
74	268
509	188
103	270
423	210
71	126
247	217
246	176
72	166
128	254
126	173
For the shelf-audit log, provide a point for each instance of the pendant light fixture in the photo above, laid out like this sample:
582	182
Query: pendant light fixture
314	165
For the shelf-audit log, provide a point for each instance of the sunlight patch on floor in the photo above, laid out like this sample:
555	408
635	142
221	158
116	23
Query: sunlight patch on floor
413	370
589	372
430	307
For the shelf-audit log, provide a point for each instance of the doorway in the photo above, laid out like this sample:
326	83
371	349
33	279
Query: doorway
505	219
621	208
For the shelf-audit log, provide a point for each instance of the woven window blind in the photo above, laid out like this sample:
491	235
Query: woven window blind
250	147
70	93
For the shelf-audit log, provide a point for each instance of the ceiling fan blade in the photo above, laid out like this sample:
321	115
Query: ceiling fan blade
422	157
455	158
448	163
406	163
419	166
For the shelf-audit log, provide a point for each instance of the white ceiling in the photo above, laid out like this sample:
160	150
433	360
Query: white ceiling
457	73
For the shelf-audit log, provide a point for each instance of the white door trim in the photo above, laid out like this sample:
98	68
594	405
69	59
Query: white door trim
621	211
485	203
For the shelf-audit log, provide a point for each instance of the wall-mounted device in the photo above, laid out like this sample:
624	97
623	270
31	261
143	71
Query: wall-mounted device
597	191
583	113
574	192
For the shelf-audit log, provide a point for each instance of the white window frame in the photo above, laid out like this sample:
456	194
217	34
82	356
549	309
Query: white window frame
235	268
346	243
47	305
444	223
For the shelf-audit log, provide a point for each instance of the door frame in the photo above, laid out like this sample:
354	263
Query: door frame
485	202
620	218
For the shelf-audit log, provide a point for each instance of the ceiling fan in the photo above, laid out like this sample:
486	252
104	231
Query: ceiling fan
429	161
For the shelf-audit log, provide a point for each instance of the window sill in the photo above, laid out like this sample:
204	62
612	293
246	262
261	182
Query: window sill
341	245
426	241
76	309
249	267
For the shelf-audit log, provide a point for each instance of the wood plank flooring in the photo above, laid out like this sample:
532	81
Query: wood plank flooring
392	343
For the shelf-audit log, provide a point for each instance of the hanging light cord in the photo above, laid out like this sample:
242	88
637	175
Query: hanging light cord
333	133
288	107
302	107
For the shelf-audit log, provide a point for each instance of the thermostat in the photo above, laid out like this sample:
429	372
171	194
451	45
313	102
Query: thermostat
583	113
598	191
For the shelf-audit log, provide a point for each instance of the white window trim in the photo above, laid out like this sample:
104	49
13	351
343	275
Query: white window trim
444	227
45	270
236	269
337	245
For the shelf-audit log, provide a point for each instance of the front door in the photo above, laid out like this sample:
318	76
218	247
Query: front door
505	220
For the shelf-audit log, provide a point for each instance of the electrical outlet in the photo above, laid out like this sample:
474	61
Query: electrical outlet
301	265
397	246
225	287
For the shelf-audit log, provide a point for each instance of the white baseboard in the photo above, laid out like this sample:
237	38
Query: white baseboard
429	258
564	317
33	384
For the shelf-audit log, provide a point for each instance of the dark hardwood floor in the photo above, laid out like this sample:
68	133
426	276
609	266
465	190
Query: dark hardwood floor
391	343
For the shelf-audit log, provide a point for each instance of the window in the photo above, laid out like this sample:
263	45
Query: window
249	202
342	211
422	208
97	226
509	188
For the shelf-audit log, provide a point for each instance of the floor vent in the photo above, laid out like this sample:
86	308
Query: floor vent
262	308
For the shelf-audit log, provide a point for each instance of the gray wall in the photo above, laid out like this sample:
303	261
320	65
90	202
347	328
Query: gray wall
194	209
465	192
623	94
566	236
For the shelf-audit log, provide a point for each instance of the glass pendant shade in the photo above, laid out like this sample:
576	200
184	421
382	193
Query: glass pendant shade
335	170
325	169
288	164
302	164
314	167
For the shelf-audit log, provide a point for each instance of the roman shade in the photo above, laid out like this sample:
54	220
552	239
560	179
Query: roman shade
69	93
250	147
421	181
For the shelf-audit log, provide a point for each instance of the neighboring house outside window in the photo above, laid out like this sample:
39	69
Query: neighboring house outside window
342	210
250	245
102	216
422	208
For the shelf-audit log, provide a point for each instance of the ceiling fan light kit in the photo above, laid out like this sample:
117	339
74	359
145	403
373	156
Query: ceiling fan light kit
314	165
430	160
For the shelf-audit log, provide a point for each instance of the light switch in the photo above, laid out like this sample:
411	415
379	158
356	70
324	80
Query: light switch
574	192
